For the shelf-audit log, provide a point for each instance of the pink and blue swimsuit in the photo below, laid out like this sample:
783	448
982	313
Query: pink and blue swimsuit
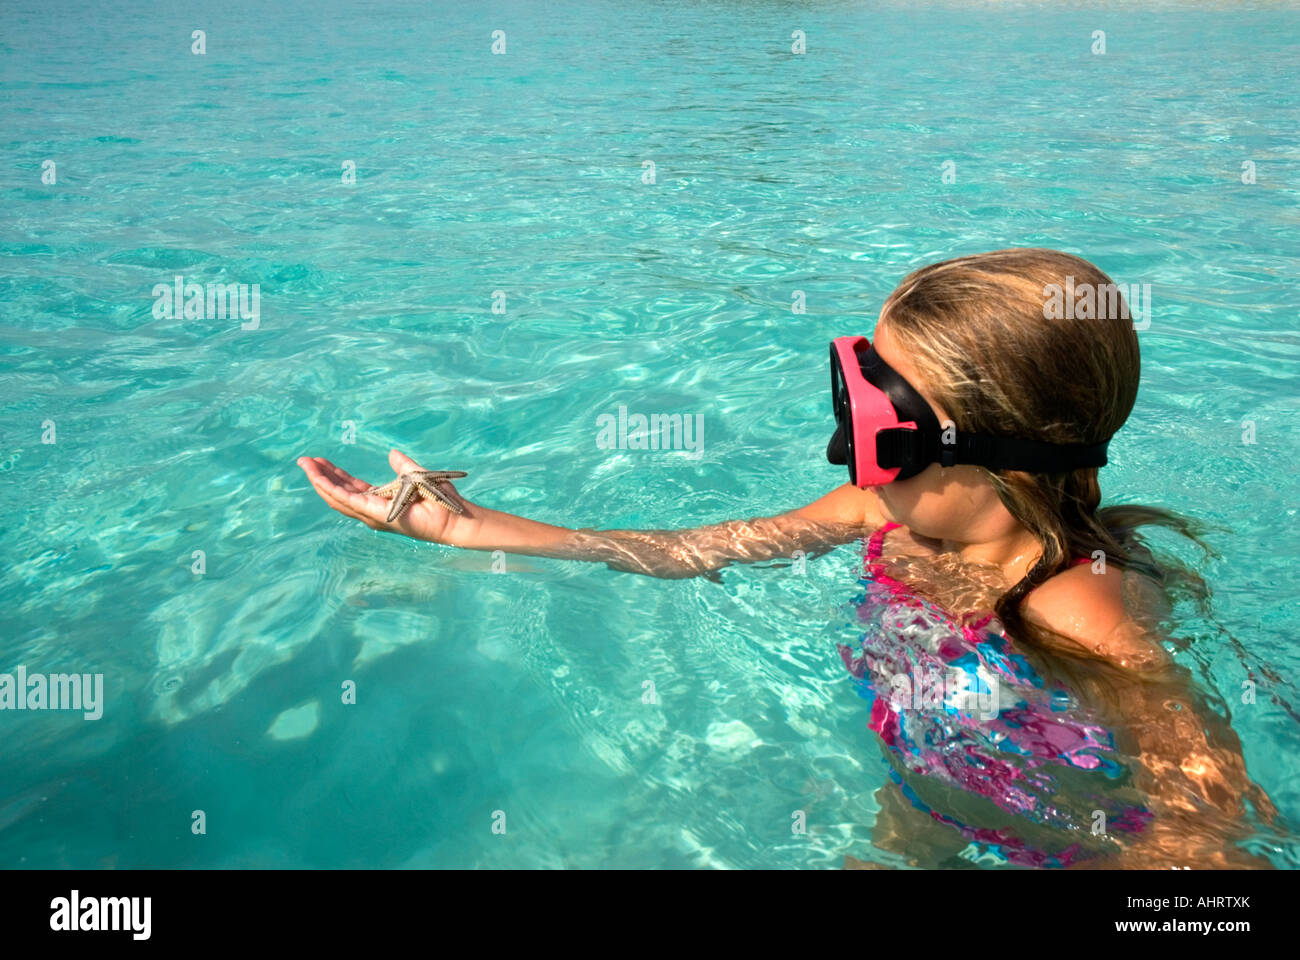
1030	750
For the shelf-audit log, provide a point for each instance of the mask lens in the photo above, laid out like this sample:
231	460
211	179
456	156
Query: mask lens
839	390
840	449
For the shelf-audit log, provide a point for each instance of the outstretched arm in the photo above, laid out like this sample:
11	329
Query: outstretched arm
842	515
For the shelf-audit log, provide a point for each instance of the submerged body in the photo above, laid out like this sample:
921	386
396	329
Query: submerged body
1012	764
961	713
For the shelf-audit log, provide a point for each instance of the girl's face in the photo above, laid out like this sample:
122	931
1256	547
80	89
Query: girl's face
955	503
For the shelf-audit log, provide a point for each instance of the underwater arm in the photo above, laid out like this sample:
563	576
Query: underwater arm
837	518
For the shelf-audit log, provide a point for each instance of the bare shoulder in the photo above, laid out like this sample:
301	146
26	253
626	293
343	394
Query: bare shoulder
845	504
1108	613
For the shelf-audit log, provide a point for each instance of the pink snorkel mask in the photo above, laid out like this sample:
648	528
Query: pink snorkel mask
886	431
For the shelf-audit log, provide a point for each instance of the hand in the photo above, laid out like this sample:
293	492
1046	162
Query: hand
422	520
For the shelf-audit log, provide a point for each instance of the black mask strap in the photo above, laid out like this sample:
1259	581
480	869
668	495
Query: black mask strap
913	450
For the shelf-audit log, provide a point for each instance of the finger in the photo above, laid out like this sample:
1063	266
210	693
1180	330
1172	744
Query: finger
364	506
345	510
341	477
401	463
324	475
348	509
315	473
356	504
330	494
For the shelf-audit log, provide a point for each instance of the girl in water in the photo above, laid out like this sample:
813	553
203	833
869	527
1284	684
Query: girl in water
1010	648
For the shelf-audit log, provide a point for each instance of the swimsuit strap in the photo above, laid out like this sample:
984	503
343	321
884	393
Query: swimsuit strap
877	541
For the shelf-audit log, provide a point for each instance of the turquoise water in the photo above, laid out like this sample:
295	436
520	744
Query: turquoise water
522	691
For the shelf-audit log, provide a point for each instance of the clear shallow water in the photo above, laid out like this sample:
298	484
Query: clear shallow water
522	691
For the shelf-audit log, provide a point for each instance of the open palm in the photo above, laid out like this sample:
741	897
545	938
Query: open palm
352	497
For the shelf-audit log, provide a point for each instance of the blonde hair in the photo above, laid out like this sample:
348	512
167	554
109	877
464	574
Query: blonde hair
980	332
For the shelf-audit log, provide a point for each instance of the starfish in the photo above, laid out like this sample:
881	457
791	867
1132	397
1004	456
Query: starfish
417	484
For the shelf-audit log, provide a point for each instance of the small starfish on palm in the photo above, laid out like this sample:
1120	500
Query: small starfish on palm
417	484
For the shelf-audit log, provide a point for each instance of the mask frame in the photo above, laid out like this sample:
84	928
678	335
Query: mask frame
886	431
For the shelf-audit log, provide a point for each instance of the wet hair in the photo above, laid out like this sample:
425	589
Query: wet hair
984	333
